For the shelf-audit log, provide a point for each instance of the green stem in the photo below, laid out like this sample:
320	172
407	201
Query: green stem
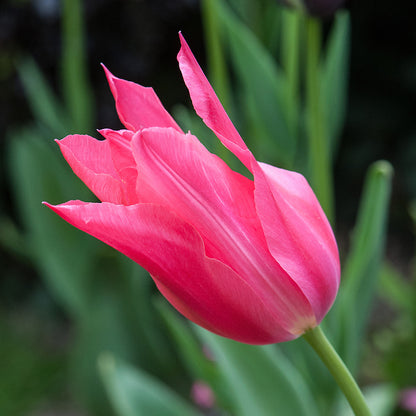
318	341
318	144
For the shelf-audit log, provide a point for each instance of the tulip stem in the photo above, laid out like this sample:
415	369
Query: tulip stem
319	342
319	155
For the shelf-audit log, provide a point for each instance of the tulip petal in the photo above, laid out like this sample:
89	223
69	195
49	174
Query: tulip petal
298	234
208	106
138	107
177	171
318	277
91	161
123	160
203	289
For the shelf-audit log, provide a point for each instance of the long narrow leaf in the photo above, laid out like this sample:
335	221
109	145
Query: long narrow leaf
45	106
334	79
134	393
192	354
77	91
351	312
261	380
39	174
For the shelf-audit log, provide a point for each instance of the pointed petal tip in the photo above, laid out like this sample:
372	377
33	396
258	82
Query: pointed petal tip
106	70
184	46
110	79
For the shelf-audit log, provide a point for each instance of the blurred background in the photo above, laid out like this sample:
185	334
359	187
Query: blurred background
64	298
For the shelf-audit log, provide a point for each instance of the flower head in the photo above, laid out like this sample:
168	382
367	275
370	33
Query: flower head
252	260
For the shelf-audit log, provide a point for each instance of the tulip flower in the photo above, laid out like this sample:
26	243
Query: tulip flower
251	259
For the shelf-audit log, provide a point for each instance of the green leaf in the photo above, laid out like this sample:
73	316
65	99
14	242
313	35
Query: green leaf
134	393
39	174
334	78
77	90
217	69
261	380
29	375
45	106
199	366
191	352
350	314
290	58
264	88
396	289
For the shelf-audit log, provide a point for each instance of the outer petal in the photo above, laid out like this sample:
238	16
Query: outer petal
203	289
177	171
276	211
138	107
299	235
208	106
91	161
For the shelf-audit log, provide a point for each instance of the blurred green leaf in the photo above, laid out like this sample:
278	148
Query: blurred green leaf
193	355
77	90
264	88
134	393
217	69
396	289
28	374
38	174
261	380
291	47
12	240
191	352
351	311
334	78
45	106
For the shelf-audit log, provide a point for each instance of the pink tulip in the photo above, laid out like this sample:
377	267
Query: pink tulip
252	260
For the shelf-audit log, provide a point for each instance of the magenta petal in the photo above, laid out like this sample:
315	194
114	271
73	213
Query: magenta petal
177	171
91	161
203	289
208	106
138	107
298	234
121	154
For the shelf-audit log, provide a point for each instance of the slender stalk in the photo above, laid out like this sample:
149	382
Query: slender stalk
321	174
318	341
